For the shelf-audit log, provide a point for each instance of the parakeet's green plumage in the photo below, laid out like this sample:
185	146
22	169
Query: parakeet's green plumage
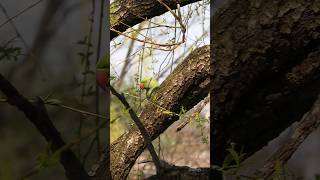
104	62
150	85
102	71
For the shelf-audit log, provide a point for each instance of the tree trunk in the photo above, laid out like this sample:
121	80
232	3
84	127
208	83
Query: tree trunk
265	71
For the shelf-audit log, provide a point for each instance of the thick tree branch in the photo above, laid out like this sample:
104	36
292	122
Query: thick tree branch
265	71
306	126
182	172
127	13
37	114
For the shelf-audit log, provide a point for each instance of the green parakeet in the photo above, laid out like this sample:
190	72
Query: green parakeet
102	71
149	84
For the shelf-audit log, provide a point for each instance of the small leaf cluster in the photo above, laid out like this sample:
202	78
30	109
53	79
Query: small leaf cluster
9	52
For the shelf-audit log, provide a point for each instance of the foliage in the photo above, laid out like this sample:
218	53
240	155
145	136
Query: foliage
232	162
85	56
47	158
8	51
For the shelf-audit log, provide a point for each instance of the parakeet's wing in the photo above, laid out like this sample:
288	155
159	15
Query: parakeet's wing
149	83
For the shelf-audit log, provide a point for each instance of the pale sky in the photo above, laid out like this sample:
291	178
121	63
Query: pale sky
195	28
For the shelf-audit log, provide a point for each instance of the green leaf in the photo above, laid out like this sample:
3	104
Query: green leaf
53	102
278	169
47	158
168	113
235	155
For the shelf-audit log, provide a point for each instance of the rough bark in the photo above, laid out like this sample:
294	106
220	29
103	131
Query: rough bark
101	170
127	13
182	172
265	70
185	87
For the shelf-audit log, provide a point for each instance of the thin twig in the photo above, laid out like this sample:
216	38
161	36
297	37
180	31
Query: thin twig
141	127
21	12
177	17
86	68
82	111
164	47
68	108
127	59
14	27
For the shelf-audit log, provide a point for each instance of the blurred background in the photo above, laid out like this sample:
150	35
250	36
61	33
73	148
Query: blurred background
64	38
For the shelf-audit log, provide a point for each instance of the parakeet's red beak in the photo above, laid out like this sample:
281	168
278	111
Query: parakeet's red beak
141	86
102	78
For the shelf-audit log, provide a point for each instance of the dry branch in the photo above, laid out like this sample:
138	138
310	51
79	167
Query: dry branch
182	172
37	114
306	126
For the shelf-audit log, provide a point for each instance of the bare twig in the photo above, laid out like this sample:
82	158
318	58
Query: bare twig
21	12
164	70
177	17
160	46
68	108
127	59
142	129
14	27
88	42
82	111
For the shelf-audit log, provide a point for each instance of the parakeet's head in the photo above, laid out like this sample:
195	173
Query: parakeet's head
148	83
141	86
102	73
